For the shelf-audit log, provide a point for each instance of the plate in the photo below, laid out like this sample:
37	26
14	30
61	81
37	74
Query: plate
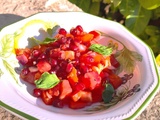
15	94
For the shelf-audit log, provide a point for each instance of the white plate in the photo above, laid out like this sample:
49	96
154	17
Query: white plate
18	99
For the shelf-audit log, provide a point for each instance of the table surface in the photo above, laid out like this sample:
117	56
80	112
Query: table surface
12	11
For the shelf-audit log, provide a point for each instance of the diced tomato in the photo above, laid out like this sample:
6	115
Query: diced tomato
25	52
65	89
91	80
97	94
67	55
115	80
114	62
85	96
78	104
92	58
46	97
37	75
95	33
43	66
78	86
55	91
76	96
72	76
87	37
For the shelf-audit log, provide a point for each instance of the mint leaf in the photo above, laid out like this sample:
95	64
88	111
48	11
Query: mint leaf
53	31
47	81
108	93
101	49
48	40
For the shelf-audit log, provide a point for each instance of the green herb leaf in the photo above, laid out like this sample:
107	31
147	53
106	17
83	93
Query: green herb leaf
101	49
150	4
47	81
48	40
108	93
53	31
127	60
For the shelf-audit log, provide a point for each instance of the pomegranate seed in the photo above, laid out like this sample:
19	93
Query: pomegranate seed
69	67
73	47
58	103
52	72
84	68
62	31
53	62
35	53
55	44
79	28
74	32
25	71
69	39
89	59
62	40
37	92
41	56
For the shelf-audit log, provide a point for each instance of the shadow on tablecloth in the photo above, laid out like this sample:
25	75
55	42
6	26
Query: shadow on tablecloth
7	19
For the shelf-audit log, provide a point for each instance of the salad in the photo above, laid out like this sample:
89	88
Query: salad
72	69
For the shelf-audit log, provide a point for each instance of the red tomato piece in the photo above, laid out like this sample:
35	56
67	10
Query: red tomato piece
78	104
115	80
65	89
97	94
85	96
46	97
95	33
91	80
86	37
55	91
43	66
114	62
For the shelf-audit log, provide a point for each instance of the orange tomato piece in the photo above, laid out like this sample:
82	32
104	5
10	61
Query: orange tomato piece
72	77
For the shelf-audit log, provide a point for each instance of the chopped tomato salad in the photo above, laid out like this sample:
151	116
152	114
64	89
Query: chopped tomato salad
70	69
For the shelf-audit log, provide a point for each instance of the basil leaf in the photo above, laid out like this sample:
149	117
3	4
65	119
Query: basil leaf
47	81
108	93
101	49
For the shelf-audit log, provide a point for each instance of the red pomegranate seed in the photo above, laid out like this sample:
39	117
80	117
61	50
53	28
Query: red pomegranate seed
41	56
62	31
25	71
79	28
62	40
69	67
53	62
37	92
74	32
35	53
